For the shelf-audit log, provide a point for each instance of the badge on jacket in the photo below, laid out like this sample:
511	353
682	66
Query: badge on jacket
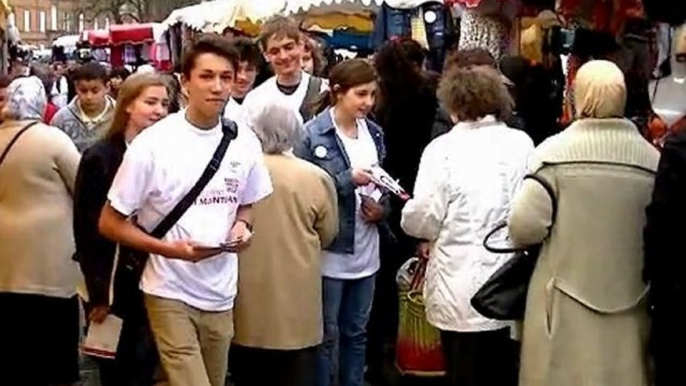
320	151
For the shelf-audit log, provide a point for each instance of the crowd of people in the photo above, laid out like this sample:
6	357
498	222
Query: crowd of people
232	221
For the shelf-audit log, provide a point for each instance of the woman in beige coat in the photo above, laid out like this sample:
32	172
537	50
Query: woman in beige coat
40	311
586	319
278	311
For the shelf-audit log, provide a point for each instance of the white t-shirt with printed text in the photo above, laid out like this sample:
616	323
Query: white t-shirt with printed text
365	261
160	166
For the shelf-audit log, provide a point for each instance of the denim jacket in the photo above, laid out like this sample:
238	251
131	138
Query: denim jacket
396	23
322	147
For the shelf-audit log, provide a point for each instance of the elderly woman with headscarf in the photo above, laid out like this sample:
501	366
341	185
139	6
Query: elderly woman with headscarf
38	279
586	319
278	311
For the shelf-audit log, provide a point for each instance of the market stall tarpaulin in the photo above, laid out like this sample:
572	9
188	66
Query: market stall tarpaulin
334	14
121	34
96	38
216	16
248	15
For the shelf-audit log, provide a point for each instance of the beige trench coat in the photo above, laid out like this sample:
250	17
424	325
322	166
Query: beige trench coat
586	321
279	302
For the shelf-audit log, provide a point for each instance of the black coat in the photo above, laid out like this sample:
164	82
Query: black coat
665	266
94	252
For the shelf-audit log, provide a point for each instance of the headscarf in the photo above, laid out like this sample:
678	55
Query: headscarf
600	90
26	99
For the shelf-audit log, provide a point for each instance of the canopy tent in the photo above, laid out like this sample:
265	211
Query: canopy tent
96	37
323	7
218	15
120	34
66	41
334	14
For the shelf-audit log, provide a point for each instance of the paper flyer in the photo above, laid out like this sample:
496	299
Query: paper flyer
103	338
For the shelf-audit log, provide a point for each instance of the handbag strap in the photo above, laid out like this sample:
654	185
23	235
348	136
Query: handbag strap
551	192
418	275
14	140
230	131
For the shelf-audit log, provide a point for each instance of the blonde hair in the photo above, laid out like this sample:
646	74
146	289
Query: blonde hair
130	90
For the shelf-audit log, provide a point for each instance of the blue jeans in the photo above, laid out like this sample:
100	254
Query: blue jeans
347	305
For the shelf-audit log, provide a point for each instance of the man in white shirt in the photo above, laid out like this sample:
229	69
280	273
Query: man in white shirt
189	290
283	45
249	63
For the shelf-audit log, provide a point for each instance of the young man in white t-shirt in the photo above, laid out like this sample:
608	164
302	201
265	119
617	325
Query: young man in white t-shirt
249	62
189	291
283	46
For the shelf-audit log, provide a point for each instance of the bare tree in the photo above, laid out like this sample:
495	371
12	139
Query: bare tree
158	10
143	10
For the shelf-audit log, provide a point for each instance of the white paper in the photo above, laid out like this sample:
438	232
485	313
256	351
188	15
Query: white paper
103	338
383	180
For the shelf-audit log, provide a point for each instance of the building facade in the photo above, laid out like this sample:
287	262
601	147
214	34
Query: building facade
41	21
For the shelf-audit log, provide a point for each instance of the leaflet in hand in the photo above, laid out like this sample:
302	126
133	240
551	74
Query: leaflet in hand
230	247
103	338
383	180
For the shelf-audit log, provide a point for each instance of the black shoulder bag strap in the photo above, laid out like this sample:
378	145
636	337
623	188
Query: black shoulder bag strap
14	140
313	87
230	132
551	192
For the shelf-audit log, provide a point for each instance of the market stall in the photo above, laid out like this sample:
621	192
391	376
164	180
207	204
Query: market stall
130	44
357	15
429	22
227	17
218	15
64	48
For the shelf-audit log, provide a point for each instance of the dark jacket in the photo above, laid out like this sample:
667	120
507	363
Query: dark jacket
664	264
94	252
391	23
407	121
323	148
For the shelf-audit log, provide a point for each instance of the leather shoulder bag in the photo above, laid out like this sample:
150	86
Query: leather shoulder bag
503	296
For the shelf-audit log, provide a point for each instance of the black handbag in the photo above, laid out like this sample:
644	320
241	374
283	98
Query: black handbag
132	262
503	296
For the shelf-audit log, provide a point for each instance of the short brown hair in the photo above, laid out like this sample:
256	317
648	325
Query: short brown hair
279	27
470	58
248	51
473	93
208	44
344	76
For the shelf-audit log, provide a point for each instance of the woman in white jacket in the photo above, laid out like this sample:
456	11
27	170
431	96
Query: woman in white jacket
466	182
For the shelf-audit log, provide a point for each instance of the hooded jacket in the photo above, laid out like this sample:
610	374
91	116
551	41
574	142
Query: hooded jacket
69	119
